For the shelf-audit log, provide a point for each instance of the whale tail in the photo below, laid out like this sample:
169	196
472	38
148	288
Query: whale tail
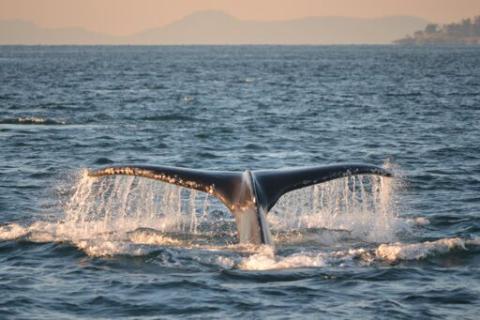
248	195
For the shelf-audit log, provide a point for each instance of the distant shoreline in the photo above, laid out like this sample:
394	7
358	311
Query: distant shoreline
466	32
431	41
203	45
400	44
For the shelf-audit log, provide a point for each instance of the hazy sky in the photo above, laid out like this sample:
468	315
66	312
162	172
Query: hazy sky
121	17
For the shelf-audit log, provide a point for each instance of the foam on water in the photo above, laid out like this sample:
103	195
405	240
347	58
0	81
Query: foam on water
36	120
32	120
109	248
265	259
415	251
12	231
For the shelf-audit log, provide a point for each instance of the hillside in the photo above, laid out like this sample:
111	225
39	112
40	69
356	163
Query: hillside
214	27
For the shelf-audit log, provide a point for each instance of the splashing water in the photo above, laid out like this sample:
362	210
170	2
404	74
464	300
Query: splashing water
365	206
134	216
119	205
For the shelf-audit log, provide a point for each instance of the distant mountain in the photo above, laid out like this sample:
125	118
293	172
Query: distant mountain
213	27
21	32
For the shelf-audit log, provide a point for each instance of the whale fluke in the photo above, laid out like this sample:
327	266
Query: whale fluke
249	195
222	184
275	183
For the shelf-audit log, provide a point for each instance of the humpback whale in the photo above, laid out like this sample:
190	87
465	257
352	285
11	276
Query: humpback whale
249	195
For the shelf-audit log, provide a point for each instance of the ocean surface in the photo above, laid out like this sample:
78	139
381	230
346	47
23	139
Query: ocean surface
77	247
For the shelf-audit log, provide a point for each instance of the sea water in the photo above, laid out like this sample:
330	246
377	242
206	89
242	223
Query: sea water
73	246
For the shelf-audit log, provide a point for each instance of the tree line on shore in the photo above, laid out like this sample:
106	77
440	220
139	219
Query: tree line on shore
465	32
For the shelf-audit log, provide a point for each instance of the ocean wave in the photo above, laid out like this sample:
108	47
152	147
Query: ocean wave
103	161
32	121
168	117
96	248
144	241
416	251
266	260
151	236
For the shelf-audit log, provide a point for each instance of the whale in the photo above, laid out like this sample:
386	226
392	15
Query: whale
249	195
